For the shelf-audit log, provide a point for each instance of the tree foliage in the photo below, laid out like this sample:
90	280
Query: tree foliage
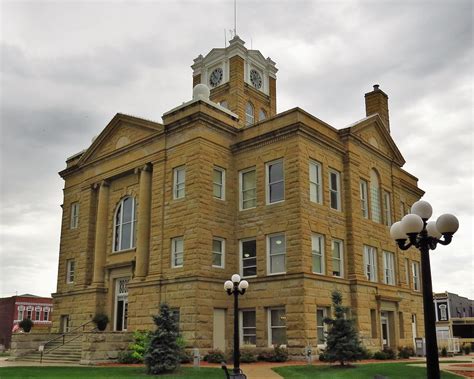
342	341
163	352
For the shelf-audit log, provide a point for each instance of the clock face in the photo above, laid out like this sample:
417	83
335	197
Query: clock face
255	79
216	77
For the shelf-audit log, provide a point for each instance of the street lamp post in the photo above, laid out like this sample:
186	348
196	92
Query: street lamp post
236	287
425	235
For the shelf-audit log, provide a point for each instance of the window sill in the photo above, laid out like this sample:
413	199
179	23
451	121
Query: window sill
124	251
246	209
248	277
221	267
276	273
177	266
275	202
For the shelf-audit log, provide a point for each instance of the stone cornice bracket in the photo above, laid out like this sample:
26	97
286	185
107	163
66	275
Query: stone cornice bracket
148	167
104	183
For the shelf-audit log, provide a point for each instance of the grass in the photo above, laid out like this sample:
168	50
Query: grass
391	370
104	372
4	354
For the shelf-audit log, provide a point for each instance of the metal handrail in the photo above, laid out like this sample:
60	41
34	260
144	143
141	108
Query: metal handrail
63	336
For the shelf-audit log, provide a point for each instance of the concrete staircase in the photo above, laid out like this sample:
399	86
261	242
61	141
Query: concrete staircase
56	352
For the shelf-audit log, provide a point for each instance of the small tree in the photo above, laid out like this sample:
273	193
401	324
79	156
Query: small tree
342	341
163	352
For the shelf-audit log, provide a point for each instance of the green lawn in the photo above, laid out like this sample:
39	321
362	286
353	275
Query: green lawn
104	372
391	370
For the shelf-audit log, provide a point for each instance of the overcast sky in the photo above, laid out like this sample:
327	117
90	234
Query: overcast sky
69	66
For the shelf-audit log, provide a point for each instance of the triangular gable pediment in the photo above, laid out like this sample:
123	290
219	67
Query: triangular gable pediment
120	133
373	132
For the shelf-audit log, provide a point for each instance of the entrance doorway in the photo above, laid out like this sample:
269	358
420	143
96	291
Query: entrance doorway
219	329
413	327
385	330
121	304
64	323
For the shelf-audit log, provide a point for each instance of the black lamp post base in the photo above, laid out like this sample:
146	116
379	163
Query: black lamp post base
237	376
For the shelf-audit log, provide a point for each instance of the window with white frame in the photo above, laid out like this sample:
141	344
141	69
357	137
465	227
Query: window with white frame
337	258
317	251
218	252
321	327
277	327
218	183
335	189
364	202
179	182
443	313
375	197
248	188
275	182
70	270
29	312
276	246
262	115
407	271
21	312
387	208
370	263
125	224
248	327
415	268
46	311
177	252
248	256
249	114
74	215
315	191
389	267
37	313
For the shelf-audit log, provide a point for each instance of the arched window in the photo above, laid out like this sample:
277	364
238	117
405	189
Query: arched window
125	221
262	115
249	118
375	197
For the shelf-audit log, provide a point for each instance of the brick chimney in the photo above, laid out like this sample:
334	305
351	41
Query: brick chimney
377	102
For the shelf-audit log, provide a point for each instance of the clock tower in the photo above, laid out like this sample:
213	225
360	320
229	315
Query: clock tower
242	80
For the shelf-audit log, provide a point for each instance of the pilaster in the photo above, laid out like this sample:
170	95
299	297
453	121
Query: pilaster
100	247
143	234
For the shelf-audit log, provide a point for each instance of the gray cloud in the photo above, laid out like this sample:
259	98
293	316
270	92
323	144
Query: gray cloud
68	67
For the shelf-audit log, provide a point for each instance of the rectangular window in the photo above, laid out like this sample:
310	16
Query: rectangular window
407	271
370	263
335	189
275	182
315	192
402	324
21	312
37	313
387	207
389	267
276	246
416	275
248	189
373	323
317	250
277	327
337	258
248	327
179	178
364	204
74	215
46	314
29	312
248	256
218	183
70	269
218	252
177	252
321	314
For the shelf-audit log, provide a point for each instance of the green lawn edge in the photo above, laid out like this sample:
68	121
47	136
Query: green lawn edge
361	371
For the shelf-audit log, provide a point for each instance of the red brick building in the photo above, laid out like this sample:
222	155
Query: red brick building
16	308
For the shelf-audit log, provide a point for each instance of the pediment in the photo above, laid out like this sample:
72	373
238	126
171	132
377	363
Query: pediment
121	132
373	132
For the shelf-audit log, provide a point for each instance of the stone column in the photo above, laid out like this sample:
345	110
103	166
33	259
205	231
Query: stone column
100	248
143	233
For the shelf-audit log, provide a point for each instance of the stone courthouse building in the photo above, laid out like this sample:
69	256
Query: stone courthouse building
166	212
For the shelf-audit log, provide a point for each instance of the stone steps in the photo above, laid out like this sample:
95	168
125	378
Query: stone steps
56	352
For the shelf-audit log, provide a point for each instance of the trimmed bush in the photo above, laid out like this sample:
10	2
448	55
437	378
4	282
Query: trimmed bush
444	352
380	355
365	353
466	348
278	354
247	356
26	324
215	356
405	352
127	357
386	353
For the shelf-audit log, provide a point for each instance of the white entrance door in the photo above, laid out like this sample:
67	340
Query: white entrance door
413	327
219	329
121	304
385	330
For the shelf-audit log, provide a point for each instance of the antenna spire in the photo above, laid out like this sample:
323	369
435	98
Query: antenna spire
235	18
